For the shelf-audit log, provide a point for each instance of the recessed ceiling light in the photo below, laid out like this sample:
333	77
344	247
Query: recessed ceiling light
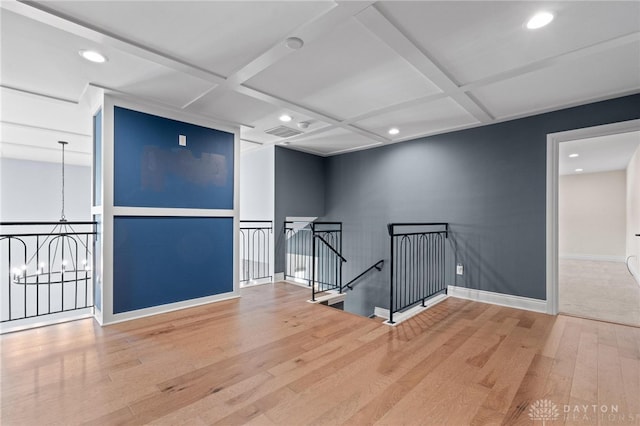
394	131
578	170
574	155
539	20
93	56
285	117
294	43
286	143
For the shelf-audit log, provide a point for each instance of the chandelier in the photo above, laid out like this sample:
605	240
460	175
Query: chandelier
61	257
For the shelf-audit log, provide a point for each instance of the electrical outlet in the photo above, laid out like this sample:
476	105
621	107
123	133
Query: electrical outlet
182	140
459	269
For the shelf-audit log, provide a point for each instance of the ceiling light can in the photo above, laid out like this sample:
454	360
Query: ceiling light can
294	43
394	131
539	20
93	56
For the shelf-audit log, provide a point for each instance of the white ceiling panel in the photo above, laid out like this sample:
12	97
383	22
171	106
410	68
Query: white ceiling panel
346	73
438	116
331	141
178	89
44	59
24	109
473	40
221	36
600	154
232	106
599	75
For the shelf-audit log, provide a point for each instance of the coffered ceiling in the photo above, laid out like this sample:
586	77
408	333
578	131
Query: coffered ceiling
422	67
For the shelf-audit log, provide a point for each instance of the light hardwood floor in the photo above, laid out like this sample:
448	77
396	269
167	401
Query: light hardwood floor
270	358
599	290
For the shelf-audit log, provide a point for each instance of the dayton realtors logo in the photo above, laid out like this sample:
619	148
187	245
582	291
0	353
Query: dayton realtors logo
544	410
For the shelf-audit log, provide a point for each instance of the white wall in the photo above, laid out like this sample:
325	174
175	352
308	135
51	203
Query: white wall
592	215
31	191
633	214
257	184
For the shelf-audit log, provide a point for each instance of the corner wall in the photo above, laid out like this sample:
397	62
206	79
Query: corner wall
299	191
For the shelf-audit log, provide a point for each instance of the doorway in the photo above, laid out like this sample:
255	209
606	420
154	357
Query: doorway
589	233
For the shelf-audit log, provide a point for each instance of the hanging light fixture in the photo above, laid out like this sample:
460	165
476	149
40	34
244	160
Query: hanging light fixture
56	259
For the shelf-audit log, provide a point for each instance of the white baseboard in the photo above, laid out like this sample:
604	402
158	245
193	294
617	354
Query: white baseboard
298	283
332	298
381	312
45	320
278	276
510	301
403	316
595	257
162	309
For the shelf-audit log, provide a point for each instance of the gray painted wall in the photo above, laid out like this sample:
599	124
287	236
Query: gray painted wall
31	191
489	183
299	191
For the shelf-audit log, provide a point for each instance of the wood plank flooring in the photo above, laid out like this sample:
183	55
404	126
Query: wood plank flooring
269	358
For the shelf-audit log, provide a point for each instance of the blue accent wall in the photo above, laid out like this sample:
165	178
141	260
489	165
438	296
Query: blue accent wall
152	170
160	260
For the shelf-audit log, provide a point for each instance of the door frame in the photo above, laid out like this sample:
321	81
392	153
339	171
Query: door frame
553	143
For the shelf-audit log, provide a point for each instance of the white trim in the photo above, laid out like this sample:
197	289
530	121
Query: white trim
399	317
298	283
593	257
97	315
160	211
278	276
332	298
45	320
553	146
107	207
508	300
381	312
170	307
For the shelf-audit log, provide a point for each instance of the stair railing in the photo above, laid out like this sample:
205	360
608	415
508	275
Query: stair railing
377	266
327	259
417	263
255	248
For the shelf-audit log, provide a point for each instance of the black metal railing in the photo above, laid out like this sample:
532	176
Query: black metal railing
48	268
377	266
326	269
300	258
417	263
255	251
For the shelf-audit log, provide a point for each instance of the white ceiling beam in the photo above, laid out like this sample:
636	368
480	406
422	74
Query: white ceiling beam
308	32
283	103
554	61
40	12
388	33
